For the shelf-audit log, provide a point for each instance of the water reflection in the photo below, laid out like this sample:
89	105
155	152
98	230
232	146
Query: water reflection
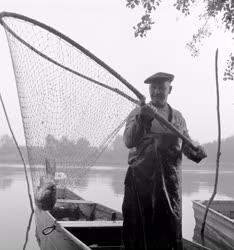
195	181
5	182
117	178
15	211
6	178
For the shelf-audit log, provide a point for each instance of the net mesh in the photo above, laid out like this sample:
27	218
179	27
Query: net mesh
67	118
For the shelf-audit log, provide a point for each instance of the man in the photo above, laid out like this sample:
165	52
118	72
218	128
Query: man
152	199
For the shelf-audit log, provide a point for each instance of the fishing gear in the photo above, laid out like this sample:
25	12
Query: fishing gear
72	103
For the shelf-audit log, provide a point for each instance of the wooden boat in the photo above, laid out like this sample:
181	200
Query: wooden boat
219	230
77	224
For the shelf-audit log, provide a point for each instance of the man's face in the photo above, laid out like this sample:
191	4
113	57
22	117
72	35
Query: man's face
159	92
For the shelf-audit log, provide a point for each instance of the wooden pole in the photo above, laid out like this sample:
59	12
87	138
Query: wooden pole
219	145
20	153
28	230
170	126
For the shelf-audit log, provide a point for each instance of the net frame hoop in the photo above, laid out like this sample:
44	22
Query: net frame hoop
141	97
79	47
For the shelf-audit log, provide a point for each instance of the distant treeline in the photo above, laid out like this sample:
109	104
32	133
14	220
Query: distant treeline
63	150
227	150
115	154
8	151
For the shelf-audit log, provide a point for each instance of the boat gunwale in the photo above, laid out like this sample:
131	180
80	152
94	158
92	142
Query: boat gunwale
65	231
219	227
213	211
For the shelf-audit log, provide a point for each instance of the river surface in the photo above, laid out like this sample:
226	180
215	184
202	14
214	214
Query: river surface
101	184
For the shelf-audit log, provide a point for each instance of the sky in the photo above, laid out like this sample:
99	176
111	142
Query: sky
105	27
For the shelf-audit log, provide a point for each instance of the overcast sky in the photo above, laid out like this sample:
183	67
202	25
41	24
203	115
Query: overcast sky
105	28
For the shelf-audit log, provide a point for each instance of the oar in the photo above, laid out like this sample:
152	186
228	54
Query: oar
20	153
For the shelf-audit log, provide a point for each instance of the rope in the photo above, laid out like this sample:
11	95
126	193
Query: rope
164	188
20	153
49	230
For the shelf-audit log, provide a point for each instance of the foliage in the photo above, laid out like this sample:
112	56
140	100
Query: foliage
213	9
62	148
7	141
65	148
146	21
117	154
9	152
7	144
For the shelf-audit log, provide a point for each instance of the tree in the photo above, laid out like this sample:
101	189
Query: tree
7	143
220	10
8	150
118	145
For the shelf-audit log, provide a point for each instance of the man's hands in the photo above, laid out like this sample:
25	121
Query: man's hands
201	152
198	154
146	115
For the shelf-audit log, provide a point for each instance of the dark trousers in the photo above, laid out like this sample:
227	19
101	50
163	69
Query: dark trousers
148	223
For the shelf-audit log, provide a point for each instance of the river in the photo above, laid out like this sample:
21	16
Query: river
102	184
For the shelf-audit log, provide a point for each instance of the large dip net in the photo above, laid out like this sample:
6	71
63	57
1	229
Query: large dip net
72	104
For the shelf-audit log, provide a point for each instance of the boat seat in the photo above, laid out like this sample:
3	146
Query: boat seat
75	209
106	247
75	201
91	224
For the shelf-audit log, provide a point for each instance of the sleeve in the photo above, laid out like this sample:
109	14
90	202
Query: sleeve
188	151
134	129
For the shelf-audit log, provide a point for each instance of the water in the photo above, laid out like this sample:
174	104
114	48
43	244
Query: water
102	184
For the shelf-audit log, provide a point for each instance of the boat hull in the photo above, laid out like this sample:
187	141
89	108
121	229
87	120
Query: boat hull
219	228
103	232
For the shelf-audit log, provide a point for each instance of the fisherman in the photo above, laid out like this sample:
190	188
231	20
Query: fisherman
152	199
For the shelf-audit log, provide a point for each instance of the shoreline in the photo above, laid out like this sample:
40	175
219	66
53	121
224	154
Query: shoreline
202	168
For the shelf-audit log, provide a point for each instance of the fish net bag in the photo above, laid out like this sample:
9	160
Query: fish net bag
72	104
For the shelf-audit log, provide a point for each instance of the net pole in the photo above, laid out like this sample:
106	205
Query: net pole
20	153
219	145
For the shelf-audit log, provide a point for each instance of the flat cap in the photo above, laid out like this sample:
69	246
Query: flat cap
159	77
